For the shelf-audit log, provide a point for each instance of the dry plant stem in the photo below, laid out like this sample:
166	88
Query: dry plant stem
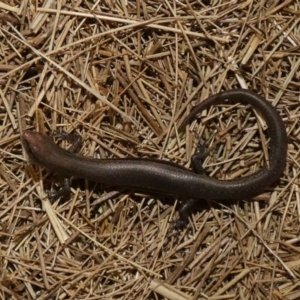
134	23
59	62
176	273
138	103
84	85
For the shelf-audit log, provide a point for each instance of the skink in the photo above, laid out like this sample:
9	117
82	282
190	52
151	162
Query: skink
163	177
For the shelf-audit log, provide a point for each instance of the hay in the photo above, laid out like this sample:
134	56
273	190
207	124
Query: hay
123	74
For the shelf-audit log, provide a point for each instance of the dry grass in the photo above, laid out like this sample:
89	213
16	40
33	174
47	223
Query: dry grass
123	74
